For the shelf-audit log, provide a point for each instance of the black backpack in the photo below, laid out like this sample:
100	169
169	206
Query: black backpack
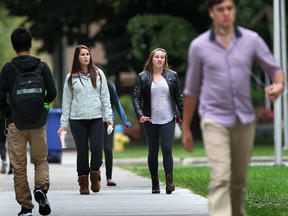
27	98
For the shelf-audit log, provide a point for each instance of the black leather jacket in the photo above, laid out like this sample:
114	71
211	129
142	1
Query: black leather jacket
142	93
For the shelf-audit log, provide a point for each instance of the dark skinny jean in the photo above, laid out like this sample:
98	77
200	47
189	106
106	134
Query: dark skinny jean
88	133
108	151
156	134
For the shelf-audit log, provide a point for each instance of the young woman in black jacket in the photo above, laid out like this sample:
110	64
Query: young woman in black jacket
157	99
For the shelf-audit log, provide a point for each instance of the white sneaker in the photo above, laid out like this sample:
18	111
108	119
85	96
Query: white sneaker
41	198
25	212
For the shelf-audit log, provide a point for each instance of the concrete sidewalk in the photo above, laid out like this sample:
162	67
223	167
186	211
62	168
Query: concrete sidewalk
131	196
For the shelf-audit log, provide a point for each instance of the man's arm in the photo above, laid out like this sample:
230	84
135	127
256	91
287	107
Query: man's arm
190	104
49	84
4	92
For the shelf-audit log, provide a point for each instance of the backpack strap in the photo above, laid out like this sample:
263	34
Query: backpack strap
14	67
100	77
37	69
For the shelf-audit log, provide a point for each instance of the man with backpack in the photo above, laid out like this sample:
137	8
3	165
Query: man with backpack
26	89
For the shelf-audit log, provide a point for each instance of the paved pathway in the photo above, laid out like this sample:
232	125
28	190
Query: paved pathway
131	196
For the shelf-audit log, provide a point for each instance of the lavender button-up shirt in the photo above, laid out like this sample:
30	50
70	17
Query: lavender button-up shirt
220	77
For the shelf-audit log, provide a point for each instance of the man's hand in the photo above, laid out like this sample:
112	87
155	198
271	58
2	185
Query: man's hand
273	91
187	140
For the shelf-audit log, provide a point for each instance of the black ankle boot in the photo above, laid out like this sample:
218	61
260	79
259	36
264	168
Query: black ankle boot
155	184
169	184
10	169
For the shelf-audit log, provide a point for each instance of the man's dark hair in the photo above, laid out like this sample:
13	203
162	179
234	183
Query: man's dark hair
211	3
21	39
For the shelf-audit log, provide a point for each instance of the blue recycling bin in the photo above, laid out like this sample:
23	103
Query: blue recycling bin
53	140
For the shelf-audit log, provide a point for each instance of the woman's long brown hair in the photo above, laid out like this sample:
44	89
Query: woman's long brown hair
76	67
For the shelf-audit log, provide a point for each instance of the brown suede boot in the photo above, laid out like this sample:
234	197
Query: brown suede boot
84	184
169	184
95	179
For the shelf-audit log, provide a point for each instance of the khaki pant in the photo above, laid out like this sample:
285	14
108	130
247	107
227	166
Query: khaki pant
17	147
229	152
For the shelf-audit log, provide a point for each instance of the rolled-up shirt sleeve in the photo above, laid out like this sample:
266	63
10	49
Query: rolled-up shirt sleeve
265	58
193	72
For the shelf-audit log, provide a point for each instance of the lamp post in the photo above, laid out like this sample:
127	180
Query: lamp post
278	102
284	66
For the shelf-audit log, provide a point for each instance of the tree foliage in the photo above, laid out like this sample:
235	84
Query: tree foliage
118	41
50	20
151	31
129	29
7	24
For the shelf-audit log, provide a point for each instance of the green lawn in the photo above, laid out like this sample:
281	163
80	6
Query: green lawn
267	187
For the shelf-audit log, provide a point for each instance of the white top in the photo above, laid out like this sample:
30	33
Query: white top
161	105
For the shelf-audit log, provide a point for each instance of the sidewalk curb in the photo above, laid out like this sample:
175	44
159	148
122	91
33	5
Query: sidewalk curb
193	160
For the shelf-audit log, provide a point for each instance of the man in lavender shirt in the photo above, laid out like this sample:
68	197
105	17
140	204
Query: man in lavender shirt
218	78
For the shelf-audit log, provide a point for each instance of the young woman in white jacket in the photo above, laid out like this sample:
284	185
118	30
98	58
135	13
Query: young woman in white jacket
85	106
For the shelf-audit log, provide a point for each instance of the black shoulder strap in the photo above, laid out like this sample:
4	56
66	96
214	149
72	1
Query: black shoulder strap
37	69
14	67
